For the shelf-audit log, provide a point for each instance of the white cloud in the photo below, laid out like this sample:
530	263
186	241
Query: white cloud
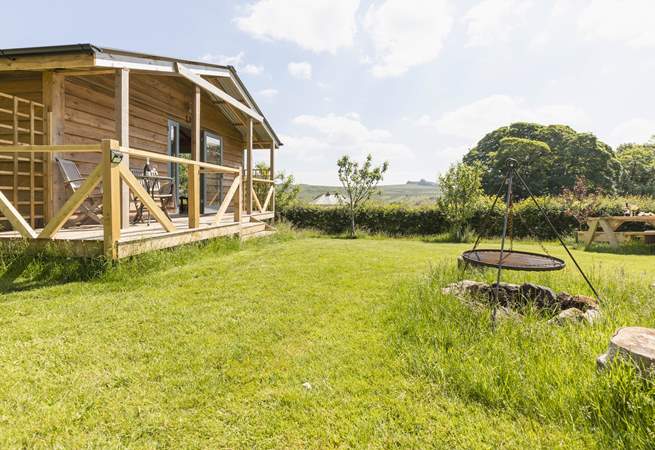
482	116
637	130
300	70
630	22
268	93
492	21
317	25
237	61
333	135
406	33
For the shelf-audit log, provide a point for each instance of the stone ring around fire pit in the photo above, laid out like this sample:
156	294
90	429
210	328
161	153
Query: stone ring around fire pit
569	308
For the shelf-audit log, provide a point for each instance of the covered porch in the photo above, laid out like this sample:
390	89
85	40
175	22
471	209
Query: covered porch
110	114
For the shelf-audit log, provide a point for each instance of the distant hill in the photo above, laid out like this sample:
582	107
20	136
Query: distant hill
412	193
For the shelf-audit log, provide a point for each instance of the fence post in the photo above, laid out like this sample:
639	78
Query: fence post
238	207
111	197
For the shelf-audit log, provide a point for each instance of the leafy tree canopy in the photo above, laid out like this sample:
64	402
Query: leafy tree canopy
638	176
550	157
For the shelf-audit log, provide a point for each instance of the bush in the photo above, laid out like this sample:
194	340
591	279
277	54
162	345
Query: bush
427	220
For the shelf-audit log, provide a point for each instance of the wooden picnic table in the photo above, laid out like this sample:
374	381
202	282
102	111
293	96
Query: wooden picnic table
610	224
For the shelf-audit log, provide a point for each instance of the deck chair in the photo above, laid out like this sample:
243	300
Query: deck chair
92	205
160	188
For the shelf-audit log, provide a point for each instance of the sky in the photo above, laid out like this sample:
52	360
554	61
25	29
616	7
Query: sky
413	82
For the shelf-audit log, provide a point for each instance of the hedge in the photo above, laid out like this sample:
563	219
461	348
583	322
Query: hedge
428	220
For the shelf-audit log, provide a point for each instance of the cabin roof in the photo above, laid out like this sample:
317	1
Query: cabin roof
226	77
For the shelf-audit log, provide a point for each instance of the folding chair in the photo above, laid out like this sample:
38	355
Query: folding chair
92	205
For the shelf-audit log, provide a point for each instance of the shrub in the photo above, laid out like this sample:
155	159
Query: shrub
427	220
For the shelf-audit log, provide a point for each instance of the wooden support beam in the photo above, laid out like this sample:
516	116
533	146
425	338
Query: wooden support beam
111	199
122	120
249	189
194	171
227	200
269	196
134	184
238	204
74	202
15	219
41	62
272	171
255	197
53	99
214	90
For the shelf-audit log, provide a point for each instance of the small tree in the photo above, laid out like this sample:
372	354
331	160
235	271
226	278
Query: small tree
460	193
359	183
580	202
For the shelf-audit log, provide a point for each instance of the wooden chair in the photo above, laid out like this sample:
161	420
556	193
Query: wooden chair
92	205
159	187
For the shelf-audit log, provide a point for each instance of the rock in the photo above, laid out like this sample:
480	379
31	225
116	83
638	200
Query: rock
307	385
542	296
466	287
592	316
582	302
635	345
571	315
508	294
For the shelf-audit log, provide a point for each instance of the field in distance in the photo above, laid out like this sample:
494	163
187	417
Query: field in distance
413	193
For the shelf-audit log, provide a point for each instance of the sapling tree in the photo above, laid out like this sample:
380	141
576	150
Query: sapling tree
359	183
460	193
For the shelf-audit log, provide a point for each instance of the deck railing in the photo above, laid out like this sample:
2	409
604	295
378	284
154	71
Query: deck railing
267	193
110	172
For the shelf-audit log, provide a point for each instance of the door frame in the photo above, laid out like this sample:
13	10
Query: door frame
203	157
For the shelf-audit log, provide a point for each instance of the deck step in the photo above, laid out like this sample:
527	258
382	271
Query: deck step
257	235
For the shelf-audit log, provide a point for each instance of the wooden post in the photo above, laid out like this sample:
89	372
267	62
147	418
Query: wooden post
122	119
194	171
53	99
249	166
32	180
272	170
111	199
238	207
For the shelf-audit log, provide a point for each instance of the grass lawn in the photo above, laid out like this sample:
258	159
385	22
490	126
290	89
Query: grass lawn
210	348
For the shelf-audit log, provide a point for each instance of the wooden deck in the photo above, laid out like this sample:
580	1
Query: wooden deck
87	240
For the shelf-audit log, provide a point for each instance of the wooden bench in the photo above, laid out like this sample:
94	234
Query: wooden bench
610	224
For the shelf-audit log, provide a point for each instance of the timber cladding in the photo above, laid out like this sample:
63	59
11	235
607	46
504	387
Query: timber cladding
89	117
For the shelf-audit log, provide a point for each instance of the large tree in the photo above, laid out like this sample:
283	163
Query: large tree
638	176
549	168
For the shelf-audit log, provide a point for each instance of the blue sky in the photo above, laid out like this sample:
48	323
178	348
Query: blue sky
415	82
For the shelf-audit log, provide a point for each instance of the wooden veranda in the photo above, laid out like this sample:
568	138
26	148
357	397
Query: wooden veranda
110	112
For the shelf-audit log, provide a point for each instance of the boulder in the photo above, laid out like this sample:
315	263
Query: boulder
465	287
571	315
592	316
635	345
542	296
508	294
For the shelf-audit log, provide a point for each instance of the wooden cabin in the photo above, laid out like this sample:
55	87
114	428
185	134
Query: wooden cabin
115	153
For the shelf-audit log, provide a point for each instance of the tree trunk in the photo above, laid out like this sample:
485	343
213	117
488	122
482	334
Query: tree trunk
632	344
352	223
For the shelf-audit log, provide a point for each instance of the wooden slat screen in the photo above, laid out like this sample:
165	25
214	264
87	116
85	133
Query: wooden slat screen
23	177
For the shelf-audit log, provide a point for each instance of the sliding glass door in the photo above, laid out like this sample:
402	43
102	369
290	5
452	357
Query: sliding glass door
211	184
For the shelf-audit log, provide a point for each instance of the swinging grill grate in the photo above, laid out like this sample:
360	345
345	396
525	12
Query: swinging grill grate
513	260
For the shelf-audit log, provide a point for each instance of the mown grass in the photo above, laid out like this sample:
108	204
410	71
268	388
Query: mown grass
209	346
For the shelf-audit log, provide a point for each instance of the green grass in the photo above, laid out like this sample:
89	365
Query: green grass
404	194
208	347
